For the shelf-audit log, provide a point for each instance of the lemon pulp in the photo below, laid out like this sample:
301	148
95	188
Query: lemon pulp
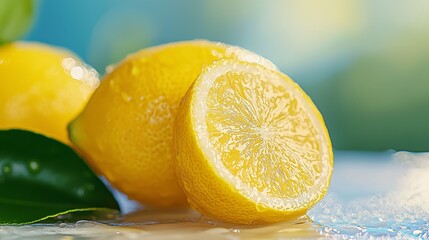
257	133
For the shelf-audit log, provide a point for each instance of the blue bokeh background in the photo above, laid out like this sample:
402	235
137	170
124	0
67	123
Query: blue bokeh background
365	63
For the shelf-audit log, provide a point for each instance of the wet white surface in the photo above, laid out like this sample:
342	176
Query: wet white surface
372	196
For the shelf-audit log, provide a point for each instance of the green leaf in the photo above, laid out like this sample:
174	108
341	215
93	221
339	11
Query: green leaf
16	17
41	178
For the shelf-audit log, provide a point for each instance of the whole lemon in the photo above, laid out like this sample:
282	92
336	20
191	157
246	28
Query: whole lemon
126	130
42	88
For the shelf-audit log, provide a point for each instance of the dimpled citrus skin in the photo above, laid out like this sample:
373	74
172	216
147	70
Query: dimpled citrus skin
125	131
38	92
207	189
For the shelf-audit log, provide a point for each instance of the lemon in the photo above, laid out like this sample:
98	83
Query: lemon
126	130
42	88
251	146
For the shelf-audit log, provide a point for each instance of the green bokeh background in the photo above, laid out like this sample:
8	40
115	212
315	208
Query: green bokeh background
365	63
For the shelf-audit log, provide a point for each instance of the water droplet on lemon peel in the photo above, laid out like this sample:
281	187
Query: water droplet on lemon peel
136	128
42	88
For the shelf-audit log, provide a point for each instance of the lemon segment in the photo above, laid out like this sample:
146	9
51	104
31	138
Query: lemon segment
251	146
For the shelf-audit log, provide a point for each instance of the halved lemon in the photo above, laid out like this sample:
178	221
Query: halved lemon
251	147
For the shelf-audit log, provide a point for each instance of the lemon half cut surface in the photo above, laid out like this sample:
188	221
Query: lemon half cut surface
251	146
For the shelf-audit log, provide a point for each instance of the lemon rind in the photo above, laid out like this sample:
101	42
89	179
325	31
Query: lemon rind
199	108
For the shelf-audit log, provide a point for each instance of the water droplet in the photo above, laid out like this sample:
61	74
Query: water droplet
34	166
135	70
85	189
68	63
77	72
87	224
91	78
217	54
114	86
143	60
126	97
7	169
110	68
62	225
81	191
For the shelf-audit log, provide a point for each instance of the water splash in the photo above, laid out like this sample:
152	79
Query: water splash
402	213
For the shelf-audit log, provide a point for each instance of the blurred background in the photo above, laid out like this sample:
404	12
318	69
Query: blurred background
365	63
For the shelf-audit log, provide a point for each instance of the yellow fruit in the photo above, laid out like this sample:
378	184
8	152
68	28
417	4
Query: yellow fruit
251	146
42	88
125	131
